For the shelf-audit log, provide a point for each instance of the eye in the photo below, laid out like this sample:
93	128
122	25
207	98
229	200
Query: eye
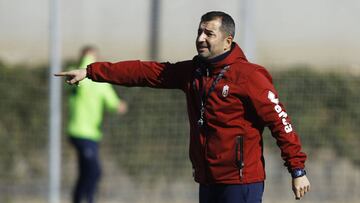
199	32
210	34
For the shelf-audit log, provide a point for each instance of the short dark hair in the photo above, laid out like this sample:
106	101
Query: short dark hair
88	48
227	22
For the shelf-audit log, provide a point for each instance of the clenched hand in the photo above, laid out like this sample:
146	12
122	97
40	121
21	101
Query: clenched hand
300	186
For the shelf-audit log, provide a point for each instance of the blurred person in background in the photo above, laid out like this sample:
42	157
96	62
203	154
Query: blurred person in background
87	102
229	101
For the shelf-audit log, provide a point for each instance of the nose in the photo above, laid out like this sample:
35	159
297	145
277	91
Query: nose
201	37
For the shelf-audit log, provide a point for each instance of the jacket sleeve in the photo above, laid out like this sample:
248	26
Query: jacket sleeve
137	73
272	112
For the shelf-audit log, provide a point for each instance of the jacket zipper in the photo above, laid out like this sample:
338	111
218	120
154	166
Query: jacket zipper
240	155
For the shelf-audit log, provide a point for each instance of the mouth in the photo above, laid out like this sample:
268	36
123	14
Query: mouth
202	47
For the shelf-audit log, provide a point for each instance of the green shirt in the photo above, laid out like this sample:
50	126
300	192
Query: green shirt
87	103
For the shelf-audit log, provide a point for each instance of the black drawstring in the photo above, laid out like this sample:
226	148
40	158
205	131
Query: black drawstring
204	96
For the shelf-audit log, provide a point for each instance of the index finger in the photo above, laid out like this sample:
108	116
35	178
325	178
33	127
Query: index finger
62	74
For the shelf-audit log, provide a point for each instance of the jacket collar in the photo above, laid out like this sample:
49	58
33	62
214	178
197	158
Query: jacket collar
227	59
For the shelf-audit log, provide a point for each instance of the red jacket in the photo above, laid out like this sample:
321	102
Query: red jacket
242	103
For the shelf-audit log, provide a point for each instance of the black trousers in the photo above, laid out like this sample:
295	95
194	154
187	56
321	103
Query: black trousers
89	170
221	193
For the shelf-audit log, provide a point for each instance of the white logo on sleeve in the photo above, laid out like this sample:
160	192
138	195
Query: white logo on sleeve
282	114
225	91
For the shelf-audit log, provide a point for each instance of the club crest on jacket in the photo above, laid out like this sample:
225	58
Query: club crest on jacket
225	91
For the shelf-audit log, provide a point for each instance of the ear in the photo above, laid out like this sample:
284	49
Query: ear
228	42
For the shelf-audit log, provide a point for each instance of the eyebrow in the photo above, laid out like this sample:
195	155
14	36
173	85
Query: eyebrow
207	30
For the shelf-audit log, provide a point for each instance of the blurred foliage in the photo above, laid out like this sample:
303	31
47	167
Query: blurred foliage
153	137
23	121
323	106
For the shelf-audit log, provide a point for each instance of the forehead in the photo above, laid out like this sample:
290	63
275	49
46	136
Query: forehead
213	25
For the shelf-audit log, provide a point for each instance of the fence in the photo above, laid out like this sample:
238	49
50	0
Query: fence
145	153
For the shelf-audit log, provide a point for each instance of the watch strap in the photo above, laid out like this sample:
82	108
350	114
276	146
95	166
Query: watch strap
298	172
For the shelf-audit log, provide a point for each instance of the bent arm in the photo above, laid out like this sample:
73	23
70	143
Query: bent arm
273	113
266	102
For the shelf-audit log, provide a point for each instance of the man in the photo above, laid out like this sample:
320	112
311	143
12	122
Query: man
87	103
229	102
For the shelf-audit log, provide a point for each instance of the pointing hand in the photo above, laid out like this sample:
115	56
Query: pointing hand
73	76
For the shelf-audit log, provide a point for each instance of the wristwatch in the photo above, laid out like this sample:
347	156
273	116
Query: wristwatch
298	172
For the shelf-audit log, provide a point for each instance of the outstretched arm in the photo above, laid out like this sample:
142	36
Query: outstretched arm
133	73
73	76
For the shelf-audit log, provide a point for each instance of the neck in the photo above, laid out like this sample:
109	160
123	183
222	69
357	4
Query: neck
221	56
218	58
